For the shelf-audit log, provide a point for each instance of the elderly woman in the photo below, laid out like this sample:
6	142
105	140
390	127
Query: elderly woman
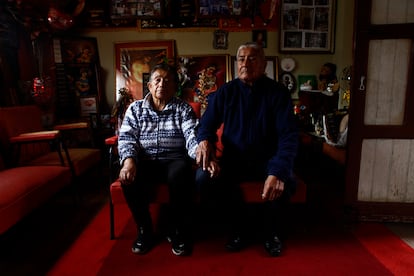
157	143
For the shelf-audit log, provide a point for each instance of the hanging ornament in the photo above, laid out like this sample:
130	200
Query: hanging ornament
59	20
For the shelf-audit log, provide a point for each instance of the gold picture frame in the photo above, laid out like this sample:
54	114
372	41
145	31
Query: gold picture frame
133	59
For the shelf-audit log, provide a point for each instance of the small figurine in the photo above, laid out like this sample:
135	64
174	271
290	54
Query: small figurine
328	81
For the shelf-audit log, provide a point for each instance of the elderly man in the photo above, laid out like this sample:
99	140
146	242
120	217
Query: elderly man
260	141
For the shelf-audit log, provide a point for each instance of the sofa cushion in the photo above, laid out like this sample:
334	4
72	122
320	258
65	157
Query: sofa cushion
24	188
82	159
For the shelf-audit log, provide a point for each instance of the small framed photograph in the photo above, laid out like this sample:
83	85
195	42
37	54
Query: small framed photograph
307	26
137	9
288	80
307	82
88	106
220	8
260	37
220	39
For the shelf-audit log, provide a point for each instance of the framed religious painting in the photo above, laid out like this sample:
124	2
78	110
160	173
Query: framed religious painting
133	60
201	75
307	26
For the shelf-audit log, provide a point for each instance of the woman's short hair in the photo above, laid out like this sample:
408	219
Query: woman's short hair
167	68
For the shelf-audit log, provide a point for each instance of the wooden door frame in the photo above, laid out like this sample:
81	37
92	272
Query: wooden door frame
364	32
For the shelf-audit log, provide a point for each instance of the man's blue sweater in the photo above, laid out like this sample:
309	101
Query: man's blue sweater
259	125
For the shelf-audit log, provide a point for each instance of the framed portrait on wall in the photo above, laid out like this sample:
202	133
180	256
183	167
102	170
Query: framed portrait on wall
133	59
260	37
307	26
201	75
220	39
75	50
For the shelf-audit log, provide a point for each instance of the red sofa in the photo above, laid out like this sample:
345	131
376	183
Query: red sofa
30	172
22	189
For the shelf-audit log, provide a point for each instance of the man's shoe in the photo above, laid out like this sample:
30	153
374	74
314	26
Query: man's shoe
273	246
235	243
143	243
180	246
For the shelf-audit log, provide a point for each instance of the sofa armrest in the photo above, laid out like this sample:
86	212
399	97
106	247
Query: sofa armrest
53	136
37	136
111	141
72	126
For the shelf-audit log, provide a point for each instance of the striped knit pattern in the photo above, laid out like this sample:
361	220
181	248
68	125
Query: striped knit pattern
149	134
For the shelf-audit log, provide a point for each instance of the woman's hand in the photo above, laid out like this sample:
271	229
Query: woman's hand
128	171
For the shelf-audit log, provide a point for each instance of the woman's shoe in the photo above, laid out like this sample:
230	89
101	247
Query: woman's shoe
144	241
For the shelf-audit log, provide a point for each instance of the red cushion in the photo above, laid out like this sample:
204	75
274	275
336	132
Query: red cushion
82	159
197	108
111	141
24	188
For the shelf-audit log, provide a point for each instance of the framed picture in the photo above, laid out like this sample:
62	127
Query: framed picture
137	9
88	106
75	50
221	8
288	80
220	39
202	75
133	59
307	26
77	75
272	67
307	82
81	79
260	37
